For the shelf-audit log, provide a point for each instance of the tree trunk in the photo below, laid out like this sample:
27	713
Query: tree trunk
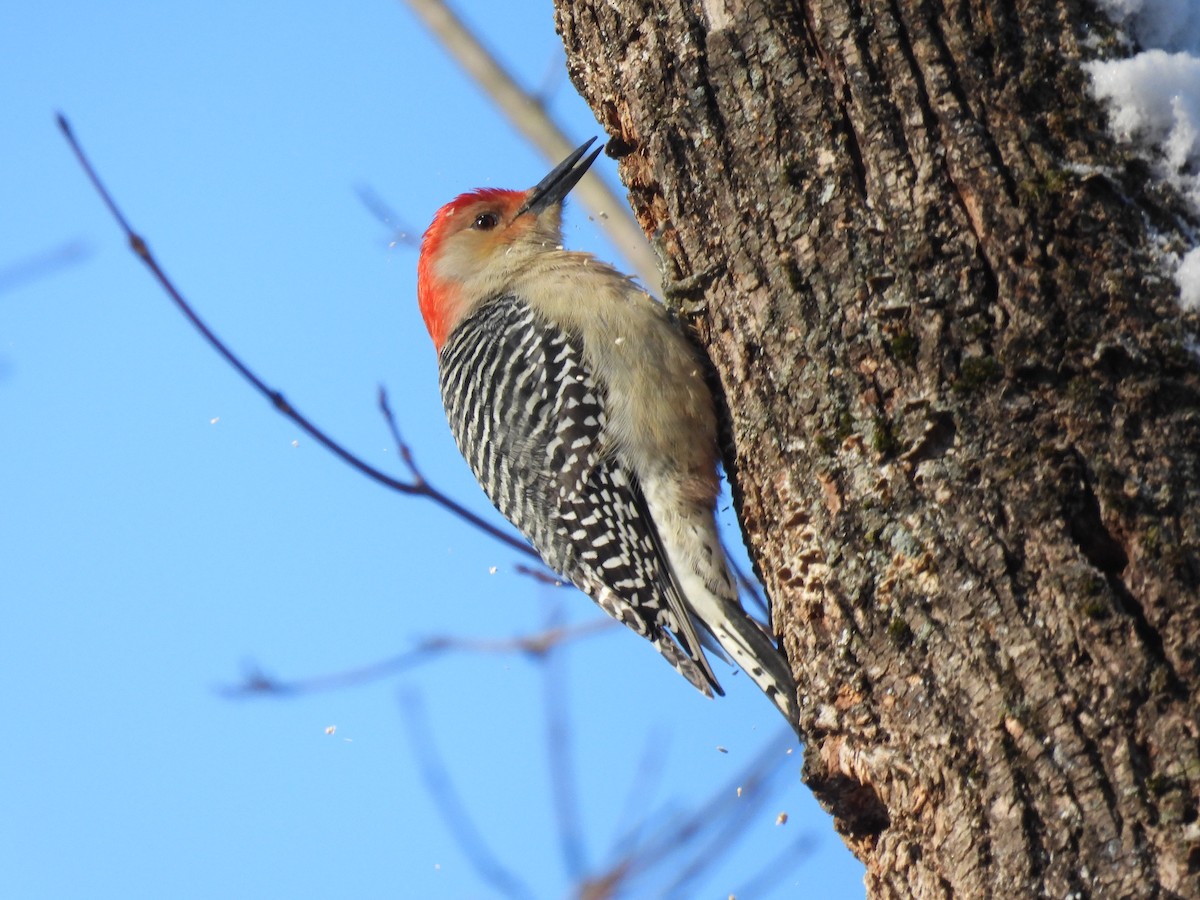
963	411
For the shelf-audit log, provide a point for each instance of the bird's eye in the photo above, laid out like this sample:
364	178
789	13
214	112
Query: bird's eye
486	221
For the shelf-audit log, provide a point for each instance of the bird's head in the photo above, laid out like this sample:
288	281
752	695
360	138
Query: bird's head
479	240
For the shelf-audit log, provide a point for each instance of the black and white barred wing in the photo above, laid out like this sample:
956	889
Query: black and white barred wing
529	418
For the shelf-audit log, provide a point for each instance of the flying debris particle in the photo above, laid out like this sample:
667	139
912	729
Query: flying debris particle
330	729
739	791
214	420
491	570
721	749
295	443
781	819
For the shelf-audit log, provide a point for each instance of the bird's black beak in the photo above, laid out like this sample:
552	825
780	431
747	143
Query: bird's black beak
555	186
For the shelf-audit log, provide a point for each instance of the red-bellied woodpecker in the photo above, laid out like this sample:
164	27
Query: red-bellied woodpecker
584	413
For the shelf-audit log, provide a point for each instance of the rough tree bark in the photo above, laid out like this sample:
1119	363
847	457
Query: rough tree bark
963	409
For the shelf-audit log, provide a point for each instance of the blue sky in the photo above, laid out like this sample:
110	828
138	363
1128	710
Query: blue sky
162	528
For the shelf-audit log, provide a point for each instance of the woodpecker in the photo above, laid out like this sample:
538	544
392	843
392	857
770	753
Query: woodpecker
584	413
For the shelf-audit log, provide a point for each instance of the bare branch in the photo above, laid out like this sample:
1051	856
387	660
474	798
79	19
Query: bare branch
773	870
418	488
535	645
401	233
545	576
647	776
529	116
704	834
42	264
450	805
680	850
402	448
560	757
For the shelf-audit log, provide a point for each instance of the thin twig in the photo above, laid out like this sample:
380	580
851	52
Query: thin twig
536	645
544	576
418	488
529	116
454	812
402	448
39	265
401	233
728	815
635	811
560	757
725	813
773	870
